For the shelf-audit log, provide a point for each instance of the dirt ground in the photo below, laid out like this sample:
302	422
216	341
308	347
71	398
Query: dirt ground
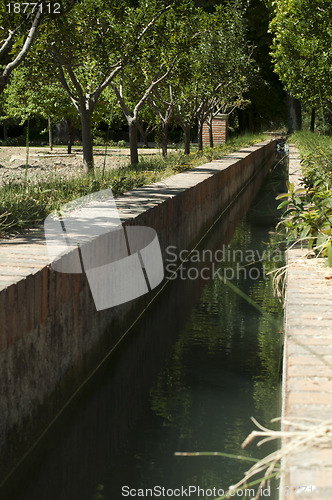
44	164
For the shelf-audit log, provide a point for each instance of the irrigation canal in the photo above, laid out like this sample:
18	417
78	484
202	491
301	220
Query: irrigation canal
203	360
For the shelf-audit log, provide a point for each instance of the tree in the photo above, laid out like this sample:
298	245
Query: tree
265	95
87	49
27	97
132	114
301	49
17	34
225	66
82	50
187	83
164	110
214	70
155	58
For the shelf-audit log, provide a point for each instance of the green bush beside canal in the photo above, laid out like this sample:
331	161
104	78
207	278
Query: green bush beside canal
308	215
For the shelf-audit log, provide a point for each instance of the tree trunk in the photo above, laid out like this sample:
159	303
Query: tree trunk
210	133
312	121
50	138
133	142
200	134
88	167
144	137
4	126
251	120
294	114
186	132
70	135
164	139
242	120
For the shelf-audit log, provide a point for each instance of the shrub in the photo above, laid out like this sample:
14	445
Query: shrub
308	217
316	154
16	141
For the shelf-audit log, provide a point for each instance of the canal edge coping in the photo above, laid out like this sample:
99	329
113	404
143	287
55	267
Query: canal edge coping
307	363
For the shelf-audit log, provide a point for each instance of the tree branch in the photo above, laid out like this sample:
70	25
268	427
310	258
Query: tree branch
121	84
157	110
121	101
95	95
152	86
151	23
169	106
61	76
163	101
25	49
75	82
6	45
62	79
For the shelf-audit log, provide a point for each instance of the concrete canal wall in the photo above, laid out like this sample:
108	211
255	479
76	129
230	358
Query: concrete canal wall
51	336
307	377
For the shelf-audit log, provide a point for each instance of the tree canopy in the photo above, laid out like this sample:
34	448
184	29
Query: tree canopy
301	48
185	59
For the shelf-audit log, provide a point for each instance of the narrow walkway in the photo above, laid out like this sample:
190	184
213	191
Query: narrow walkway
307	389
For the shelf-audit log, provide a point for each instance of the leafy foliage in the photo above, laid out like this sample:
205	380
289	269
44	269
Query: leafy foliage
316	157
301	48
308	215
213	73
25	98
17	34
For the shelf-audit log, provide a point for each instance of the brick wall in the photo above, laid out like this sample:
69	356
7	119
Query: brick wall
219	131
51	335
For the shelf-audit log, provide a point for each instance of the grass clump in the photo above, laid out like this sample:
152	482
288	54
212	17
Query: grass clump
308	211
316	157
26	204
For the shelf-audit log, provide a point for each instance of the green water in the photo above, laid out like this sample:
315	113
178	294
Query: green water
203	360
224	368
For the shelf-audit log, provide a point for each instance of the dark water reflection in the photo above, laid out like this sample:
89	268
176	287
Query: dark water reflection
203	360
224	368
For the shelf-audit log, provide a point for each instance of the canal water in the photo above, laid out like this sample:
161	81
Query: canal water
203	359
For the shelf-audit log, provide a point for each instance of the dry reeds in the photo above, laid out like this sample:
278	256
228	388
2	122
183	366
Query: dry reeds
297	435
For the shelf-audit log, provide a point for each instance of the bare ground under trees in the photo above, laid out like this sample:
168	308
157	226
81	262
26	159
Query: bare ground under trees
44	164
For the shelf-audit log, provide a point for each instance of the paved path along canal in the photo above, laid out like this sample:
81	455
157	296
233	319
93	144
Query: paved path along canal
307	364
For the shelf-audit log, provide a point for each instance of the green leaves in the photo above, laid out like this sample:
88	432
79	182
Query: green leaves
308	215
301	48
329	254
25	98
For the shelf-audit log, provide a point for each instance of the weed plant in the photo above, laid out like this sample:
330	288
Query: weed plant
316	157
26	204
308	215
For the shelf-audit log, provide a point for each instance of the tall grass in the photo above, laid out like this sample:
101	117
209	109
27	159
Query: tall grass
26	204
316	156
